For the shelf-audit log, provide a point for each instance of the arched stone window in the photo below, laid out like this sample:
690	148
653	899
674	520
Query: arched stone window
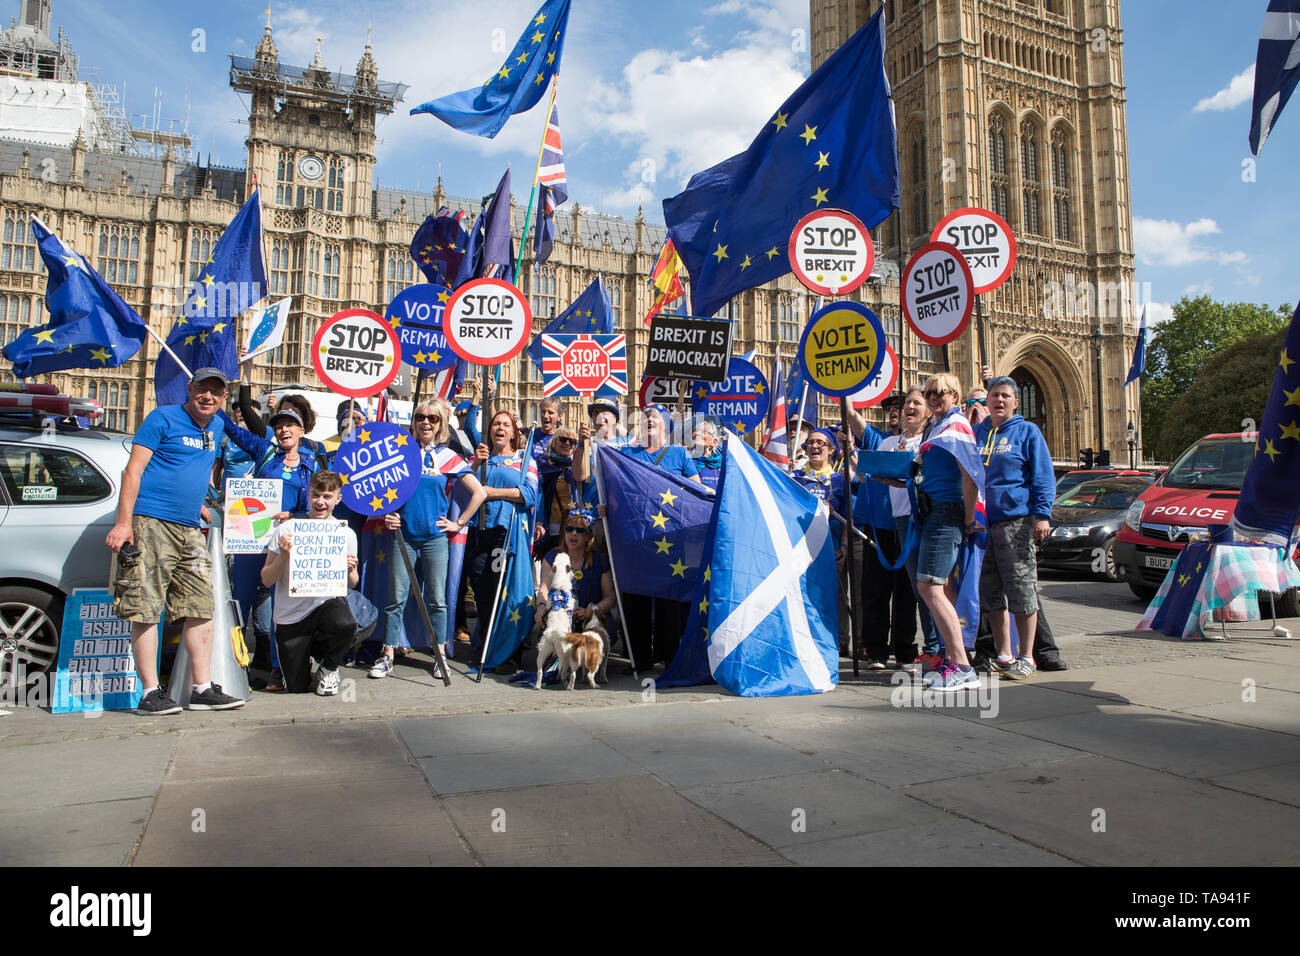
1031	177
920	192
999	180
1062	193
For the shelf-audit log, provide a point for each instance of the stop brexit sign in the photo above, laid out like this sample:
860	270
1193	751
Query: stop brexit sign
584	365
831	252
937	296
986	242
356	353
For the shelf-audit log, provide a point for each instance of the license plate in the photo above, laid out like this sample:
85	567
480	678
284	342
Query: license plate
1154	561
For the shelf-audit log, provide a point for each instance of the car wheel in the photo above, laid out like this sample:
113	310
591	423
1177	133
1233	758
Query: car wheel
1142	592
1110	572
30	621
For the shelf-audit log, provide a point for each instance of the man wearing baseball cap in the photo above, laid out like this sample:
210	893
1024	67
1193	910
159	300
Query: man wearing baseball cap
162	559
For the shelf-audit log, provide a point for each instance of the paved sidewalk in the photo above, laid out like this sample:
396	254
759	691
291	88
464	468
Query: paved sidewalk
1147	751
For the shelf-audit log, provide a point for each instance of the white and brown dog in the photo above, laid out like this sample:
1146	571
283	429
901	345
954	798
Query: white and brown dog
588	648
559	617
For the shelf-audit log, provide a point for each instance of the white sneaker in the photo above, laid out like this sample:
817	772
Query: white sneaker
383	667
328	685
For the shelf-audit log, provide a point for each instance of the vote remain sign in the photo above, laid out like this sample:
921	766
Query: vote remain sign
740	402
379	467
416	314
584	365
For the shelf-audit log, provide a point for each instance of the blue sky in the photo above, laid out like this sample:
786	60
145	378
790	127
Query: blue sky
645	101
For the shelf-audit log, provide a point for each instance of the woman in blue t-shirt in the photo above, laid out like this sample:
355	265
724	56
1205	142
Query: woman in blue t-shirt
425	529
593	582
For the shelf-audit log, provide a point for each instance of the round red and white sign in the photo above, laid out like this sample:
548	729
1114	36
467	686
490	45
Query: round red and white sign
831	252
487	321
356	353
875	391
937	293
986	242
659	391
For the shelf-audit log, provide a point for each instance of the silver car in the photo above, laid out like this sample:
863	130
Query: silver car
58	500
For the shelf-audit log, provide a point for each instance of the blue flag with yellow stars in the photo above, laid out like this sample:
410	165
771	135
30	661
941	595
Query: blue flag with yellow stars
490	249
1270	495
656	523
231	280
439	245
832	144
517	85
589	315
90	326
1184	580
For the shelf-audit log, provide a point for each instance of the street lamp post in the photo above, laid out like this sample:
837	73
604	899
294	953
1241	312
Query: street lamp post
1078	451
1131	436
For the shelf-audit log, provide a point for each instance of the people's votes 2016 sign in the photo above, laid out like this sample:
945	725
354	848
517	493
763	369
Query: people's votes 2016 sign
416	314
379	465
842	348
689	348
251	507
740	401
96	670
986	242
356	353
938	292
318	559
584	365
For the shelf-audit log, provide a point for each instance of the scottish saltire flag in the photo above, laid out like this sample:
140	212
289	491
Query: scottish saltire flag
267	329
553	186
665	278
831	145
773	447
589	313
614	349
1270	495
231	280
765	620
953	434
490	251
655	522
90	326
1277	68
517	85
1139	364
438	246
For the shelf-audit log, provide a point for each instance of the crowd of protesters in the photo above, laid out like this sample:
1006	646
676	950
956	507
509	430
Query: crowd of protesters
903	541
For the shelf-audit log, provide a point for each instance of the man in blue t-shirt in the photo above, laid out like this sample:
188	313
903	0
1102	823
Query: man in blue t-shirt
162	559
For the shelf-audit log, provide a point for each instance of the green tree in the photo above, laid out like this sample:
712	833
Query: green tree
1200	329
1229	394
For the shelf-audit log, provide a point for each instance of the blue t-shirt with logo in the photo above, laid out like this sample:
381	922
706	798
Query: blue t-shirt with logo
676	459
176	479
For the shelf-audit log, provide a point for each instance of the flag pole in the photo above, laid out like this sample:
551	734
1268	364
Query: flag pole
168	349
541	148
848	506
618	593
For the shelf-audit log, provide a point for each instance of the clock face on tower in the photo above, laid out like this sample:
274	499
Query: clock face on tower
311	168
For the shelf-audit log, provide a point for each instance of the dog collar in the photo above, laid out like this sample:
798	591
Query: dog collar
560	599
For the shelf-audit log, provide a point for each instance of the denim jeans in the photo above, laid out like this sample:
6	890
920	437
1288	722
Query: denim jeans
930	640
938	541
432	555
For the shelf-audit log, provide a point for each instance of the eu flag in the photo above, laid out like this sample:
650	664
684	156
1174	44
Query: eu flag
832	144
590	314
800	398
231	280
1139	364
517	86
490	251
439	245
765	618
90	326
656	522
1270	495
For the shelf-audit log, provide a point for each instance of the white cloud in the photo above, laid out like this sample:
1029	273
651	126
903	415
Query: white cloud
1166	242
1240	89
1158	312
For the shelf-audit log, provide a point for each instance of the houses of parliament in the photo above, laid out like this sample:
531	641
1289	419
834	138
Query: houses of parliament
1017	106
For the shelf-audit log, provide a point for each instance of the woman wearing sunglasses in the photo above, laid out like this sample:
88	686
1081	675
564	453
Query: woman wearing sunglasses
425	526
593	583
563	492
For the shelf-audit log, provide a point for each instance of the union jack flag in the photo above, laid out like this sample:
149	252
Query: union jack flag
614	380
551	172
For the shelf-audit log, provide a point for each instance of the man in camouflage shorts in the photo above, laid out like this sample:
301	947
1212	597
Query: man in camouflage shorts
162	560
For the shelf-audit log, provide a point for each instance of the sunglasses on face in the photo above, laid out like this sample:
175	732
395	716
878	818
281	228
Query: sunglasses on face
564	441
974	401
431	419
935	392
568	530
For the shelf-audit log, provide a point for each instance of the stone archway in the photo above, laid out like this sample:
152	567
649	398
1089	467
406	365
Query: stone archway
1056	391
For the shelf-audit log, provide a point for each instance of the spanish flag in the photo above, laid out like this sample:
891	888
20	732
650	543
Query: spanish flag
664	277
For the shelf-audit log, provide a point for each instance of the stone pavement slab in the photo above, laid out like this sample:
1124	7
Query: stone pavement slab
949	842
40	776
285	750
626	821
87	834
1280	783
1150	818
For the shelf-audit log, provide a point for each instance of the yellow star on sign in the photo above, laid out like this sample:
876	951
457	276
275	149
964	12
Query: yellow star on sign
745	264
823	160
679	569
45	335
701	391
363	435
772	253
394	323
100	355
809	134
663	545
740	428
375	504
504	72
436	356
401	440
343	478
819	196
780	121
1270	450
667	497
444	295
1284	362
390	495
660	521
760	388
1292	397
420	358
1291	431
381	557
720	252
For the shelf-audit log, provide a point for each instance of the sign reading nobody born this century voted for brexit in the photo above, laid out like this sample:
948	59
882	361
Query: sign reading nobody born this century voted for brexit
842	348
356	353
379	465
